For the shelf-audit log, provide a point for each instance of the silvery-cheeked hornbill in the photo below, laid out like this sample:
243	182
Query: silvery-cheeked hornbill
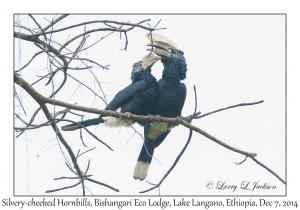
137	98
172	94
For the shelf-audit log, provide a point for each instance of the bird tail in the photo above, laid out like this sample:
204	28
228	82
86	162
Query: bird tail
85	123
144	160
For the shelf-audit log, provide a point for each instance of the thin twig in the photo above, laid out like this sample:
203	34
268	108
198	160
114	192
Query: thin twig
80	133
268	169
99	84
32	126
94	181
154	185
93	135
31	120
108	29
44	44
126	42
23	121
86	152
85	59
16	95
195	94
30	60
64	177
70	168
242	161
71	186
230	107
88	166
102	21
38	25
54	22
20	26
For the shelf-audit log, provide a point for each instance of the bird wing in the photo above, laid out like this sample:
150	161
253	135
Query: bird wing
126	95
182	96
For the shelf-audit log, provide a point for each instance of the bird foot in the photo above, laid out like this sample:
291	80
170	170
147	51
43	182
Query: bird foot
180	119
128	115
151	117
158	118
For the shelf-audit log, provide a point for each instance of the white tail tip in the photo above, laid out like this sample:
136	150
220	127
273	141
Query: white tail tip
140	171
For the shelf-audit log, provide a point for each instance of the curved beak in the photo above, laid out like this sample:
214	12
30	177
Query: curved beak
160	44
149	60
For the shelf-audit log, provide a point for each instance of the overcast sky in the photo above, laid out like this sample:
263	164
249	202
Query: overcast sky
231	59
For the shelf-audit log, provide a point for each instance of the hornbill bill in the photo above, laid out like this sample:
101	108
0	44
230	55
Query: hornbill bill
137	98
172	94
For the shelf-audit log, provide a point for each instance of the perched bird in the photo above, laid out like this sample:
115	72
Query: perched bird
137	98
172	94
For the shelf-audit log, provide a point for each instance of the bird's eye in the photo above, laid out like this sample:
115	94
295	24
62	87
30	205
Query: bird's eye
140	65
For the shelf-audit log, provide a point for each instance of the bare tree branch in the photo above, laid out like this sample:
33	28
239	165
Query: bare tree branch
230	107
268	169
30	60
85	59
181	121
89	133
103	21
100	183
20	26
85	152
63	141
53	23
45	45
64	177
38	26
23	121
16	95
64	188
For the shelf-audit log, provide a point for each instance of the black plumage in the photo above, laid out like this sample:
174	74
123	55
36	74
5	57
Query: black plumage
172	95
137	98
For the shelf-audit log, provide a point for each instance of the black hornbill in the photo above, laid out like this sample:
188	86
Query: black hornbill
172	94
137	98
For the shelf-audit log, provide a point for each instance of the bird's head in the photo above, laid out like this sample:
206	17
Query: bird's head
143	65
168	51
